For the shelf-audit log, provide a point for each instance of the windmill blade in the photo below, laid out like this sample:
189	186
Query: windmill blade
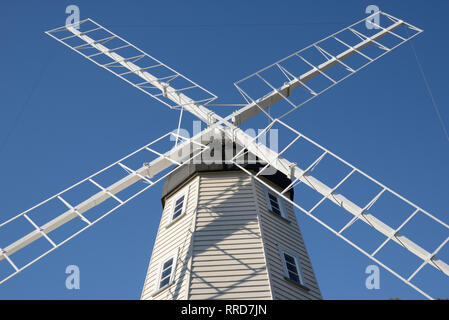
134	66
85	203
320	66
381	203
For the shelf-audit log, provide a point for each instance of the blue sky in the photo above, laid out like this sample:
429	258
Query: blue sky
62	119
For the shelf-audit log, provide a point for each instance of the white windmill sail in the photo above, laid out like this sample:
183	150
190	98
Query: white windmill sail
320	66
91	193
356	212
134	66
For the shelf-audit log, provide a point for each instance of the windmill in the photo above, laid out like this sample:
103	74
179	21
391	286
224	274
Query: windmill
228	229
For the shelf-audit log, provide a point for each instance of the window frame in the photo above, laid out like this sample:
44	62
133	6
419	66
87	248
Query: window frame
280	202
172	255
182	193
294	255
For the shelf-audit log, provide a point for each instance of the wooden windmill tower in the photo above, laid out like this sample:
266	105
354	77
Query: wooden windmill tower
228	229
233	238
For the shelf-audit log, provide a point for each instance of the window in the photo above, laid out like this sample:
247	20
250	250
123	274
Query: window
166	271
178	206
292	268
275	204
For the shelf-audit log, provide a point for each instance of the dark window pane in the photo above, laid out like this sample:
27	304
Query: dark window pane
177	213
167	264
180	200
289	258
166	273
274	204
293	277
275	210
291	267
164	282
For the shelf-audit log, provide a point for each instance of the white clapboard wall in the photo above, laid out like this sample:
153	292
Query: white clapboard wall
227	243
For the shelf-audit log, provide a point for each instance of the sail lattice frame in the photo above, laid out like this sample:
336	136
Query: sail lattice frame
357	211
94	200
320	66
146	73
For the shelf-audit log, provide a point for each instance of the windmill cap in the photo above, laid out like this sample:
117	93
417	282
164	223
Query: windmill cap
219	159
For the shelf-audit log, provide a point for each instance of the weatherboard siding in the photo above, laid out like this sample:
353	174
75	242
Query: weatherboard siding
277	231
228	259
169	238
227	243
